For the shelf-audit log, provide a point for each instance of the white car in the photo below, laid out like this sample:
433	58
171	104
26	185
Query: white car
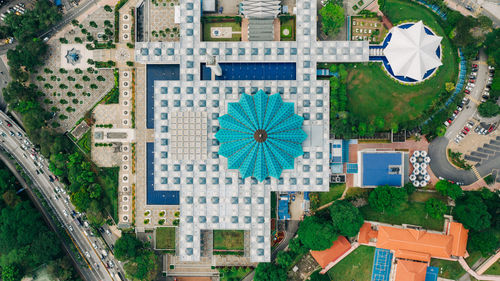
457	140
65	213
87	254
491	67
70	228
471	85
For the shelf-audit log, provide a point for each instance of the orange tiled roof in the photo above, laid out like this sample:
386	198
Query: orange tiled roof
339	247
460	235
410	255
410	271
366	233
436	245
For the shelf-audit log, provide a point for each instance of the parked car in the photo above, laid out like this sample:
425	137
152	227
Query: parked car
491	128
447	123
491	67
472	80
470	124
474	65
467	129
477	129
467	92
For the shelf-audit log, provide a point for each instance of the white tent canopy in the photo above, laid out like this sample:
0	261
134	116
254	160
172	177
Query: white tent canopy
261	9
412	52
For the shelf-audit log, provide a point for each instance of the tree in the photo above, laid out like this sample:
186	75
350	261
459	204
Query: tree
267	271
387	198
471	211
285	258
61	269
449	189
347	220
11	273
409	188
485	241
316	276
488	109
127	247
435	208
449	86
332	18
316	234
296	246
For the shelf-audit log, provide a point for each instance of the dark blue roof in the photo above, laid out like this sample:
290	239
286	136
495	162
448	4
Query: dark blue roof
155	197
432	273
375	168
157	72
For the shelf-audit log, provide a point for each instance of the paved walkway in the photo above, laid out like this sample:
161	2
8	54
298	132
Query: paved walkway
466	267
488	263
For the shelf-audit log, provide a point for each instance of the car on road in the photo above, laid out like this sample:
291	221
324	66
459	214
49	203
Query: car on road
108	232
65	213
87	254
70	228
8	124
12	133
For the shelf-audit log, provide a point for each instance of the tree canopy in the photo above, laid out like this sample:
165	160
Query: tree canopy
485	241
447	188
435	208
266	271
387	198
127	247
316	234
471	211
346	218
332	18
488	109
141	263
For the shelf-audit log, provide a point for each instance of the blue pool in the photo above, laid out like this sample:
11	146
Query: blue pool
157	72
156	197
375	167
253	71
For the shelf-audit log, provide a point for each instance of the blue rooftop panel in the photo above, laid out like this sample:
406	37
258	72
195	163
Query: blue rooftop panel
432	273
253	71
157	72
155	197
283	210
376	172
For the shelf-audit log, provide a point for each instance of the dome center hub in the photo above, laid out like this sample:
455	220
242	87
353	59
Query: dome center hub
260	135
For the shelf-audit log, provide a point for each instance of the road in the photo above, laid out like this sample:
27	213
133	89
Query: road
36	167
470	110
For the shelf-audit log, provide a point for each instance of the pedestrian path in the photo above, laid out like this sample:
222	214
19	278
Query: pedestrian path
476	173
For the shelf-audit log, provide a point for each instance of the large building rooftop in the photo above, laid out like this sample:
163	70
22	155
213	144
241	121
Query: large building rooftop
211	194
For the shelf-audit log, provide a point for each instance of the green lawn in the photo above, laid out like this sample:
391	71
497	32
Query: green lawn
372	93
334	193
236	27
356	266
410	213
165	238
108	178
289	25
84	142
424	196
356	192
229	240
494	269
450	269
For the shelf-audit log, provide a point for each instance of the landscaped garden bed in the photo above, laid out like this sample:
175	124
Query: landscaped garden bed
448	269
287	28
234	23
319	199
229	240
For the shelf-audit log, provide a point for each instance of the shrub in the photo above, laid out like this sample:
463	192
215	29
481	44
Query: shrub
107	8
63	40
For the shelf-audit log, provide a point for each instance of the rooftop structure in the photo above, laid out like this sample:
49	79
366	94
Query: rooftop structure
210	195
382	167
261	135
413	51
410	271
326	257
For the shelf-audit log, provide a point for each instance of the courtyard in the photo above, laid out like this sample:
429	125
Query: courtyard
229	240
221	28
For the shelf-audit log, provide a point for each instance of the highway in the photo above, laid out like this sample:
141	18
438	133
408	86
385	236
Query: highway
92	248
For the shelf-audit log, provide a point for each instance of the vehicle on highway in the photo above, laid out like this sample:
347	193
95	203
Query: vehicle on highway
65	213
12	134
87	254
51	179
70	228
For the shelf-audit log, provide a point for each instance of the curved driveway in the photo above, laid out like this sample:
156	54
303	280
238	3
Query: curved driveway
442	168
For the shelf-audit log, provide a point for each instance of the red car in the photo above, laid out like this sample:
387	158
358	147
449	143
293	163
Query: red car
491	128
466	128
8	124
474	65
464	132
472	80
467	92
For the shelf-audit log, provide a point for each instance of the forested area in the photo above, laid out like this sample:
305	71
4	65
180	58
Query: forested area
85	182
26	243
140	262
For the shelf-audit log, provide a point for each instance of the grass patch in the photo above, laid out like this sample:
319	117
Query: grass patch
108	178
84	142
357	192
473	257
448	269
233	24
424	196
231	274
356	266
410	213
165	238
288	24
372	93
319	199
494	269
229	240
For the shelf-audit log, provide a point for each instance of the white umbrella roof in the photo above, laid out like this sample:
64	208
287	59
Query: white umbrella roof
412	52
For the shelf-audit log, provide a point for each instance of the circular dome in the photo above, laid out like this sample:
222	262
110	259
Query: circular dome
412	52
261	135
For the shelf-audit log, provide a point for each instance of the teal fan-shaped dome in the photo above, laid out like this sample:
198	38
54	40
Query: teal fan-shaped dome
261	135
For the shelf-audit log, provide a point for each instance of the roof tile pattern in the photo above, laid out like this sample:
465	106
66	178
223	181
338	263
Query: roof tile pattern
261	135
410	271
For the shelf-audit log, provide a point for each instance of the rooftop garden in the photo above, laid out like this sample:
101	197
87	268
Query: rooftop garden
218	28
165	238
229	240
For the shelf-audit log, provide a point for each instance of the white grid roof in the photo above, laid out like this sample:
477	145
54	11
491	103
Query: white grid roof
211	196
